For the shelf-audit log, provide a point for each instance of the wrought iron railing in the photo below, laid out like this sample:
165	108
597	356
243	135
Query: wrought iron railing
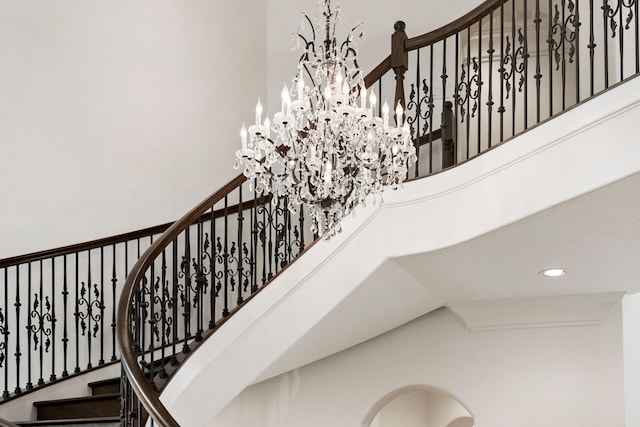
492	74
504	67
192	279
58	309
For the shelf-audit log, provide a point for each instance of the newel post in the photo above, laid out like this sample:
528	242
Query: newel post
399	60
448	136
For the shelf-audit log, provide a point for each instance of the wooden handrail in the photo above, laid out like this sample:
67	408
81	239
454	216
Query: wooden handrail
450	29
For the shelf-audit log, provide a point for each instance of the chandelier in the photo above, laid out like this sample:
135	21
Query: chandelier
331	146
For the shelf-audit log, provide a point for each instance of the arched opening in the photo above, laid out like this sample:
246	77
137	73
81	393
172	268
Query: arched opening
418	406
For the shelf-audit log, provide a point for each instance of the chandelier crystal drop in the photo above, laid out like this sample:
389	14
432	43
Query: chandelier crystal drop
331	146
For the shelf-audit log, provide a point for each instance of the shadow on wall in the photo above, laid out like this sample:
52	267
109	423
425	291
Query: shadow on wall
418	406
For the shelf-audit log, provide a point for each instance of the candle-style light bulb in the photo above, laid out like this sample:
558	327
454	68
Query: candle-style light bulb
243	137
300	87
286	100
385	113
399	114
345	89
339	78
258	113
327	98
363	97
267	127
373	100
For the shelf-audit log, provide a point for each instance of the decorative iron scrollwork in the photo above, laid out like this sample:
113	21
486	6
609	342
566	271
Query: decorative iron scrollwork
610	14
564	31
513	62
94	309
43	323
422	106
3	333
468	90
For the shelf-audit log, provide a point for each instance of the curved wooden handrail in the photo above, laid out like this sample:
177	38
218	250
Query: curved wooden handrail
85	246
434	36
450	29
138	381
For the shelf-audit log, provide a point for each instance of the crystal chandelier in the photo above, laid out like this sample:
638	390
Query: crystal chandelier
330	146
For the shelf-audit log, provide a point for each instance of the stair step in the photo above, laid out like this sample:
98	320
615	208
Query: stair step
78	422
99	406
109	386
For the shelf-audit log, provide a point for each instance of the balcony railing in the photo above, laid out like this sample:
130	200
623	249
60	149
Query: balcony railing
467	87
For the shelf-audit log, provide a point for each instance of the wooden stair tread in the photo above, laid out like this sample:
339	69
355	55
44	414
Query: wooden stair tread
101	420
97	406
105	396
111	385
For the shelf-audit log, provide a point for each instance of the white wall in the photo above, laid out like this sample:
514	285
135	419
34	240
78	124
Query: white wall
531	377
119	115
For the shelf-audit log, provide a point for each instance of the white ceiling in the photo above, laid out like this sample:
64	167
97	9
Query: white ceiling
595	237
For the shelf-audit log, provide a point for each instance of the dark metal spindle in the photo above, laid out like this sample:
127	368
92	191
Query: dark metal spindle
576	40
537	20
479	94
65	310
38	307
240	253
102	307
637	39
163	313
114	281
430	106
174	299
490	52
214	277
152	324
53	319
605	9
225	256
550	46
591	47
18	352
621	38
76	315
187	289
513	68
525	59
5	333
468	89
418	113
29	385
502	72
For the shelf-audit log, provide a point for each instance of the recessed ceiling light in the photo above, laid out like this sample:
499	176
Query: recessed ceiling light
553	272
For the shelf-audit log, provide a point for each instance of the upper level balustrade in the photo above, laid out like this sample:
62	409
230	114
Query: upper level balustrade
467	87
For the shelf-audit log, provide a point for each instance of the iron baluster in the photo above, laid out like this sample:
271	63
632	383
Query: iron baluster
102	307
52	377
501	72
114	281
18	352
77	318
174	299
430	106
480	82
65	316
4	330
537	76
490	103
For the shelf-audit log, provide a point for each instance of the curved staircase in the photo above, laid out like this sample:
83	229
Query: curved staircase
525	113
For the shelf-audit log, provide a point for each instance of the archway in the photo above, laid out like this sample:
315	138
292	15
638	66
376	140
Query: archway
418	406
